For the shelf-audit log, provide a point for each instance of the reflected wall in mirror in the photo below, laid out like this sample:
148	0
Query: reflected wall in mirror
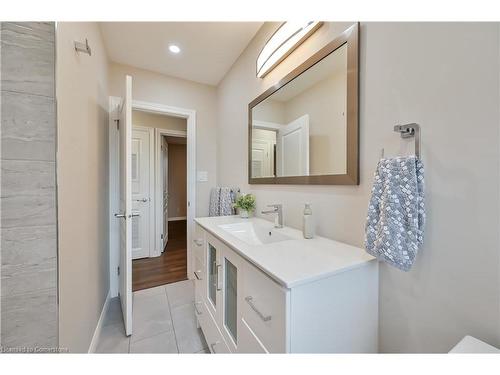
304	130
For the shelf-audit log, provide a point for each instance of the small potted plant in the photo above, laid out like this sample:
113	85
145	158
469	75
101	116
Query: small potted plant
245	203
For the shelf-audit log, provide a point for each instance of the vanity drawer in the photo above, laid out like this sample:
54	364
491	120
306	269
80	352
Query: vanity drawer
214	339
248	341
199	243
264	305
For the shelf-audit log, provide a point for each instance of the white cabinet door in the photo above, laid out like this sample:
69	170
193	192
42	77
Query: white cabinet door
213	265
264	309
229	311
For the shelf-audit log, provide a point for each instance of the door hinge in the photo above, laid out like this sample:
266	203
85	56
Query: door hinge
117	124
118	270
161	236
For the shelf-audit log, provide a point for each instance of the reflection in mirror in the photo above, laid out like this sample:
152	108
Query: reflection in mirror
301	129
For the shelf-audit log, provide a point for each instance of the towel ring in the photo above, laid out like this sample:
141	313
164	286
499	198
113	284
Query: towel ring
408	131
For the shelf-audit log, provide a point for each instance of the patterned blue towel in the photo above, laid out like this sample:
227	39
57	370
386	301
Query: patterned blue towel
396	214
222	200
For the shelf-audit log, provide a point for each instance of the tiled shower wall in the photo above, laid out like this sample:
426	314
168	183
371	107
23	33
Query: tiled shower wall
28	186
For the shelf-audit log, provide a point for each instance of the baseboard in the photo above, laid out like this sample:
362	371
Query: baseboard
177	218
100	323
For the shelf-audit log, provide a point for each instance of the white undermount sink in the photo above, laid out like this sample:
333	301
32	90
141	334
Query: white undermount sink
254	233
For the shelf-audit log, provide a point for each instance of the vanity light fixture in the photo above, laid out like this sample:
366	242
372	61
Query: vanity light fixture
174	49
284	40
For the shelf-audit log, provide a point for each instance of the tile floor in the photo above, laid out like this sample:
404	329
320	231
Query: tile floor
163	322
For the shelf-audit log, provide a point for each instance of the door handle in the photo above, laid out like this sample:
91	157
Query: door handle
218	267
265	318
198	312
144	200
213	346
120	216
134	214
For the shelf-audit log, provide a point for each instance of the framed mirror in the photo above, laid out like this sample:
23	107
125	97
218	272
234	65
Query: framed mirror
305	129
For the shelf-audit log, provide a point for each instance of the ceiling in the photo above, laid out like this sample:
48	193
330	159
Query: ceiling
208	49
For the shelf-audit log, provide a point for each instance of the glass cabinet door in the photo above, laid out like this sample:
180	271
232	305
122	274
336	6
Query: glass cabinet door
230	298
212	273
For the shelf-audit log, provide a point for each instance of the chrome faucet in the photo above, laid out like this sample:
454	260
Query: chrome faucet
278	209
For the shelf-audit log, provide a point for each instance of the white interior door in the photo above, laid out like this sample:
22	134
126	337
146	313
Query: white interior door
125	215
141	203
262	158
164	158
292	148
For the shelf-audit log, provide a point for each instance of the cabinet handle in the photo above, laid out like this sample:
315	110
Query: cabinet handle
198	242
218	284
212	346
196	275
198	312
265	318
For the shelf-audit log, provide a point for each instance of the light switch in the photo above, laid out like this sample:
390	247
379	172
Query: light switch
202	176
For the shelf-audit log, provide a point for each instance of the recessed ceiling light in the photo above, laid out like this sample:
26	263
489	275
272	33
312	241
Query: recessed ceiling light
174	49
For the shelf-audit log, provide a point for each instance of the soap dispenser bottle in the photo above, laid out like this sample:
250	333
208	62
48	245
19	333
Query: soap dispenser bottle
308	222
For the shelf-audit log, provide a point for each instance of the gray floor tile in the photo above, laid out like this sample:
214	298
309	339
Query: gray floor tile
144	304
190	339
151	315
151	291
114	314
158	326
161	343
180	293
113	340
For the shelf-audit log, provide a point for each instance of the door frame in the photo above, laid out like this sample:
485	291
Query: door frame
158	243
114	229
151	166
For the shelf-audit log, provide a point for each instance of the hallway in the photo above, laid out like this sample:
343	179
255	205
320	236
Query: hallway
163	322
169	267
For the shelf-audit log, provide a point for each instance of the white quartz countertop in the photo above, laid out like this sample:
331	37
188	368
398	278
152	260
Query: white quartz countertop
291	262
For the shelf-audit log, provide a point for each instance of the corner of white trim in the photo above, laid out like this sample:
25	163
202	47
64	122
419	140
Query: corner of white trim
100	323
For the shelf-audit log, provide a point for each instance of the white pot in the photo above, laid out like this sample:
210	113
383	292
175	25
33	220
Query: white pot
244	214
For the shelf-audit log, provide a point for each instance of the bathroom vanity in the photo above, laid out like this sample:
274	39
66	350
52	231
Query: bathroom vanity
259	289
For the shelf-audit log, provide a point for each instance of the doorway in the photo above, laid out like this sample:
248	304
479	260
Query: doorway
171	264
158	262
182	265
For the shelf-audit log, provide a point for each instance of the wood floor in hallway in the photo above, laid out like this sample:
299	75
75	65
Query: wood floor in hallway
169	267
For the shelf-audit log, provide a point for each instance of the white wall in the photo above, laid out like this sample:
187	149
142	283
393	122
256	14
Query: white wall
156	88
82	176
153	120
326	105
445	77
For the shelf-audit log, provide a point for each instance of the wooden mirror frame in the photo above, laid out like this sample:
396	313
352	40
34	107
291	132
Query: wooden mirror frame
351	177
